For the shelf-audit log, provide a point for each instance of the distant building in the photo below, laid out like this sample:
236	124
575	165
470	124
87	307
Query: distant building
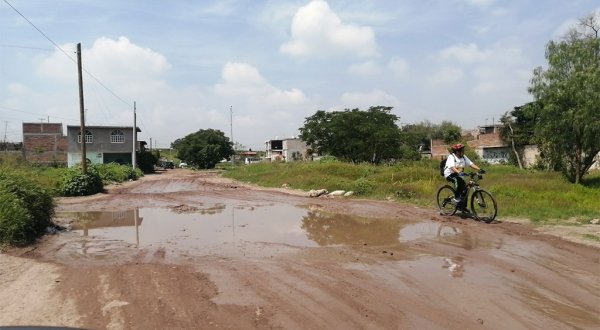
104	144
44	143
286	150
485	141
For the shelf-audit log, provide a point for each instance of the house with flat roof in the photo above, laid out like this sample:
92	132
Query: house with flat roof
285	150
104	144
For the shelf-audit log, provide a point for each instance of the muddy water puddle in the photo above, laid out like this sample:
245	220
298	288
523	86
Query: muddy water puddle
213	225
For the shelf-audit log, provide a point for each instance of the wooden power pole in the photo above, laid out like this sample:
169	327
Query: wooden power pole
81	111
133	158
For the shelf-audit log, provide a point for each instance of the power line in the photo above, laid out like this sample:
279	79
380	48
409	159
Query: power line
25	47
70	57
66	54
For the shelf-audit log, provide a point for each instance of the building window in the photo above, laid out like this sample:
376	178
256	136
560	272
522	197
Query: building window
89	138
117	136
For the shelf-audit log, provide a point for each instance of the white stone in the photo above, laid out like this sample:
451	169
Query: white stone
317	192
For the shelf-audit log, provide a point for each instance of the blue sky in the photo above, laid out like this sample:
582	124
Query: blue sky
274	63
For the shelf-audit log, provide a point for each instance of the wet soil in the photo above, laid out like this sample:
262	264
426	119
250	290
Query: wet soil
191	250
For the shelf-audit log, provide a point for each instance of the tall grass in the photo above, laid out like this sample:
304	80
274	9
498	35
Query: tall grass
543	197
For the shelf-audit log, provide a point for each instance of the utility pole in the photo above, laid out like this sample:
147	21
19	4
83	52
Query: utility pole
231	129
5	129
133	160
81	111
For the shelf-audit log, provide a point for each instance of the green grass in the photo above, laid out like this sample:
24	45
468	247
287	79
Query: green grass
592	237
542	197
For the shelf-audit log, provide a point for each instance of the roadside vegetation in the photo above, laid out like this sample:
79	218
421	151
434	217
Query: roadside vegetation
26	194
540	196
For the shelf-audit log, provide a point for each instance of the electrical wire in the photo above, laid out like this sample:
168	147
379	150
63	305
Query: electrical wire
70	57
67	54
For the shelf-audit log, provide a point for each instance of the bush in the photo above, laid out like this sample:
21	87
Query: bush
74	183
363	186
146	161
114	172
26	209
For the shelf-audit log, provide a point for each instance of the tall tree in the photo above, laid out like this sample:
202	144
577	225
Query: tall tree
354	135
204	149
447	131
518	128
569	88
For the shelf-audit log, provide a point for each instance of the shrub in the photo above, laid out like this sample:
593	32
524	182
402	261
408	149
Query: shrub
146	161
74	183
15	220
363	186
26	209
114	172
328	159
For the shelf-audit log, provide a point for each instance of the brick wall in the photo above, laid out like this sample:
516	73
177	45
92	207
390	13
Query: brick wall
47	128
44	143
439	149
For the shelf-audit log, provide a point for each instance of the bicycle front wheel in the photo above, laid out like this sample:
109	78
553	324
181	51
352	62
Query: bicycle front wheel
484	206
444	200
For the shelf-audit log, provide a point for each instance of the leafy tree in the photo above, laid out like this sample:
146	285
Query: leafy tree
146	160
569	123
204	149
354	135
448	132
518	128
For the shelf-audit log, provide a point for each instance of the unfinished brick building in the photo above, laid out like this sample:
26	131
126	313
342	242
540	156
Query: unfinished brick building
45	144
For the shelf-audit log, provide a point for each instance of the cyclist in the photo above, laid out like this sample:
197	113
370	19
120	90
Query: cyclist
453	171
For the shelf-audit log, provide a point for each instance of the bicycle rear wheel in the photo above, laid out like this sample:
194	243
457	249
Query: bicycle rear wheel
484	206
444	200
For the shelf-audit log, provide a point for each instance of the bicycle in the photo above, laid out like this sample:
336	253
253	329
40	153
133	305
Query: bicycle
483	204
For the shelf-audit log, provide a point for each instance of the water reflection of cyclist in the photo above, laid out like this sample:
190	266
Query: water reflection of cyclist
454	169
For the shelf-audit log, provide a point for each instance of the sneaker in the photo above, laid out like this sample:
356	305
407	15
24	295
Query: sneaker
456	200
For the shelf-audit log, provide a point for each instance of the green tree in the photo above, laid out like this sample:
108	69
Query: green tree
354	135
518	128
146	160
569	124
204	149
447	131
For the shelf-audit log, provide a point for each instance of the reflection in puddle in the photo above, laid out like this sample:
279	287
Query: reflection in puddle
426	230
188	226
193	227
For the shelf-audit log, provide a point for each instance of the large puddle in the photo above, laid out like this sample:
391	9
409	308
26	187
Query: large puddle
190	227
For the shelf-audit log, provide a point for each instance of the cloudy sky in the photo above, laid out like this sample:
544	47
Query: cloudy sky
187	63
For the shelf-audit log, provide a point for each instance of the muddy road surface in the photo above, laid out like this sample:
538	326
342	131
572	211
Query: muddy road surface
191	250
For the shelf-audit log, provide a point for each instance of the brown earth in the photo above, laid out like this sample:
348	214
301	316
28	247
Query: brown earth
394	266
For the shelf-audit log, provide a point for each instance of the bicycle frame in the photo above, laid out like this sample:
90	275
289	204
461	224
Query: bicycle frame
482	204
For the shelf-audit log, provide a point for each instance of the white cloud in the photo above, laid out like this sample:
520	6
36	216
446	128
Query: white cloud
366	100
241	79
447	75
480	3
398	66
318	31
17	89
464	53
367	68
116	60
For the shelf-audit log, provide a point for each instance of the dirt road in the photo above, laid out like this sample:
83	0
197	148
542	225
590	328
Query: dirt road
189	250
